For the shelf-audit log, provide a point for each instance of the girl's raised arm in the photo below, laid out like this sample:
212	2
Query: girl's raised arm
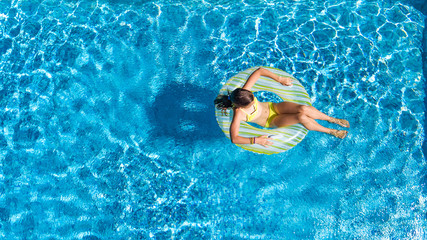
264	72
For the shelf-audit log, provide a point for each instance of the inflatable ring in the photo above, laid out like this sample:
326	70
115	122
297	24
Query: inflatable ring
283	138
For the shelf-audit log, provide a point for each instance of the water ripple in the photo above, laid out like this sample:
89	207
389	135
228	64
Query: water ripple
107	133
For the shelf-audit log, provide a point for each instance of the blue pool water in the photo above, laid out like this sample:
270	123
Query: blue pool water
108	128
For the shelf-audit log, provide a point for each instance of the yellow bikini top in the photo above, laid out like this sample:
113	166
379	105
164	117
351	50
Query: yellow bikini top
251	116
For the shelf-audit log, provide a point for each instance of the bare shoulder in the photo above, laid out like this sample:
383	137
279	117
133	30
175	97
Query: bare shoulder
239	114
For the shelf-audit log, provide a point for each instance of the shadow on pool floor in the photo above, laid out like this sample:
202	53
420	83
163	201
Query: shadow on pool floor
184	112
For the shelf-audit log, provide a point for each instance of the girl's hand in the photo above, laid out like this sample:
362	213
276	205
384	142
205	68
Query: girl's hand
287	81
263	140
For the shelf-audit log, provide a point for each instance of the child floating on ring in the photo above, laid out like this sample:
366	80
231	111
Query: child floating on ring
247	108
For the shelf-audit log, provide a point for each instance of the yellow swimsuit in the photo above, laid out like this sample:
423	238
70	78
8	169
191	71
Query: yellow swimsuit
272	113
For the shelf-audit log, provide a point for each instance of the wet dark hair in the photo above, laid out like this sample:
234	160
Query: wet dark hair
239	97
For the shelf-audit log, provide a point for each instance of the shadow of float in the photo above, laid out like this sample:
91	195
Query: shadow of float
184	112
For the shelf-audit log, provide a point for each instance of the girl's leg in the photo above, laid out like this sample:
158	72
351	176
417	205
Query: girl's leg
283	120
290	107
310	111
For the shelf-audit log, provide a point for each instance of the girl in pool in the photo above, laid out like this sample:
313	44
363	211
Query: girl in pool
247	108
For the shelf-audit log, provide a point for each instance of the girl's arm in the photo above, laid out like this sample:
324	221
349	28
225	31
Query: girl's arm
234	128
264	72
234	131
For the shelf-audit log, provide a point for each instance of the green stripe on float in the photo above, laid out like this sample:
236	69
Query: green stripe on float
260	150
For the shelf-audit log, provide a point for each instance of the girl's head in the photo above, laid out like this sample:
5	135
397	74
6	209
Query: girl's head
239	98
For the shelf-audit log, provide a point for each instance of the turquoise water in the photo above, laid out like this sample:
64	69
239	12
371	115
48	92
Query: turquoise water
108	128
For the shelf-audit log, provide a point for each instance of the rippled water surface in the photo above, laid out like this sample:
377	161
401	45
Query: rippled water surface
108	128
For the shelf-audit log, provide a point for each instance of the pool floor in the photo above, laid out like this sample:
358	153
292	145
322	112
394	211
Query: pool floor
108	128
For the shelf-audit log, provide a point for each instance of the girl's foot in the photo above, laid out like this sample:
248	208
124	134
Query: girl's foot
338	133
341	122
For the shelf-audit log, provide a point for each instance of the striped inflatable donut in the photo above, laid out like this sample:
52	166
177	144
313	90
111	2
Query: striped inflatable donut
283	138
